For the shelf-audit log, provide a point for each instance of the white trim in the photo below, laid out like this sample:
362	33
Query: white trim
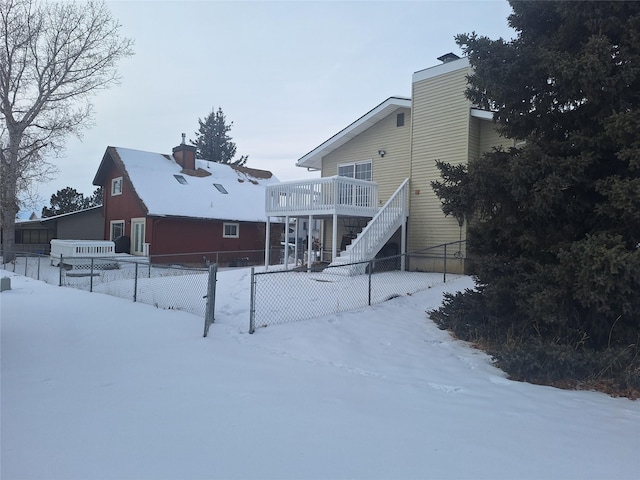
482	114
111	224
313	159
224	233
361	162
116	181
441	69
141	221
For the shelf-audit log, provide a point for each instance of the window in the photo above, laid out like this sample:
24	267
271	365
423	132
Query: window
116	186
400	120
360	170
181	180
230	230
116	230
33	236
355	194
220	188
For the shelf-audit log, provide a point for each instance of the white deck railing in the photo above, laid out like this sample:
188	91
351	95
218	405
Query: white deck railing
377	232
322	196
70	249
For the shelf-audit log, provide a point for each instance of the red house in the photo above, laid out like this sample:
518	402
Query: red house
166	206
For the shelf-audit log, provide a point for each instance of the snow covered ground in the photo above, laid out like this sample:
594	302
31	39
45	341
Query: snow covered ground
97	387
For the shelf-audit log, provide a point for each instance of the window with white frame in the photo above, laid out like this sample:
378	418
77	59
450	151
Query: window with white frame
355	194
116	186
230	230
116	229
359	170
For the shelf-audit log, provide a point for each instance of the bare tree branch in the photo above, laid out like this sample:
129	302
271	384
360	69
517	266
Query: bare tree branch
54	56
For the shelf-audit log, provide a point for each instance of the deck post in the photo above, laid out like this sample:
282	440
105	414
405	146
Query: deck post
403	244
286	242
309	243
295	248
267	244
334	239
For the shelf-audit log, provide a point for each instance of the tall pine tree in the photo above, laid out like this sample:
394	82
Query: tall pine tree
213	141
557	241
69	200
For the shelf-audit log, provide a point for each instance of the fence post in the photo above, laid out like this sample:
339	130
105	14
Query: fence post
209	313
91	278
26	263
444	280
60	271
252	304
370	272
135	283
39	259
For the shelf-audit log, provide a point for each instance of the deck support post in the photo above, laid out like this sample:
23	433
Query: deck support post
267	244
334	240
286	242
403	244
309	243
295	248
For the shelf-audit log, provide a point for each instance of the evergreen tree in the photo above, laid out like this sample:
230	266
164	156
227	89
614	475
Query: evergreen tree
95	199
213	141
557	243
69	200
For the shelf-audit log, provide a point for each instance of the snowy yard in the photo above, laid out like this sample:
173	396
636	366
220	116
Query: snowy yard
97	387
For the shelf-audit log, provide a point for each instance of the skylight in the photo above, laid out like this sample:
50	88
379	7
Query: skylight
181	180
220	188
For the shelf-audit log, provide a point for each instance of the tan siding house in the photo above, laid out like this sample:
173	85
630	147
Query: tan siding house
395	147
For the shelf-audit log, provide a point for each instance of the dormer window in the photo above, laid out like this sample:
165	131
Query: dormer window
116	186
181	180
220	188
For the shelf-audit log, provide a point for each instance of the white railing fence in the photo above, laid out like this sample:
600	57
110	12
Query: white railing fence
379	230
80	248
326	195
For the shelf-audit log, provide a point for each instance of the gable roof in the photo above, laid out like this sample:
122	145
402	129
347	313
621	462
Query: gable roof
313	159
165	189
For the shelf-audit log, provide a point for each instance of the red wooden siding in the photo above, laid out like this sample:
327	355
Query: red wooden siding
120	207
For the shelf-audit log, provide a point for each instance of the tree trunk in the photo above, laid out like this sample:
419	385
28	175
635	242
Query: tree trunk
9	201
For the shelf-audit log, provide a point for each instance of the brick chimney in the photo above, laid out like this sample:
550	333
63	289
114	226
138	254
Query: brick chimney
185	155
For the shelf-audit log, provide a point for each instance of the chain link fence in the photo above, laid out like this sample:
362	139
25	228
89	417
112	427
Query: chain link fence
173	287
281	296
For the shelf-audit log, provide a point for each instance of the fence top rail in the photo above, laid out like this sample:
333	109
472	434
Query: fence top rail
328	268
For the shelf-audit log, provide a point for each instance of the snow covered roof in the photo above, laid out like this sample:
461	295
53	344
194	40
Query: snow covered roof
313	159
212	191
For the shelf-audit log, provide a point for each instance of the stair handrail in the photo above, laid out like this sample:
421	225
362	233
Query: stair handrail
370	235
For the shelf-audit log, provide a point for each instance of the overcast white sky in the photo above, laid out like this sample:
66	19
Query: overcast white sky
287	74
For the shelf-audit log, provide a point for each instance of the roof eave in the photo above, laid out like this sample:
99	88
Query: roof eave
313	159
